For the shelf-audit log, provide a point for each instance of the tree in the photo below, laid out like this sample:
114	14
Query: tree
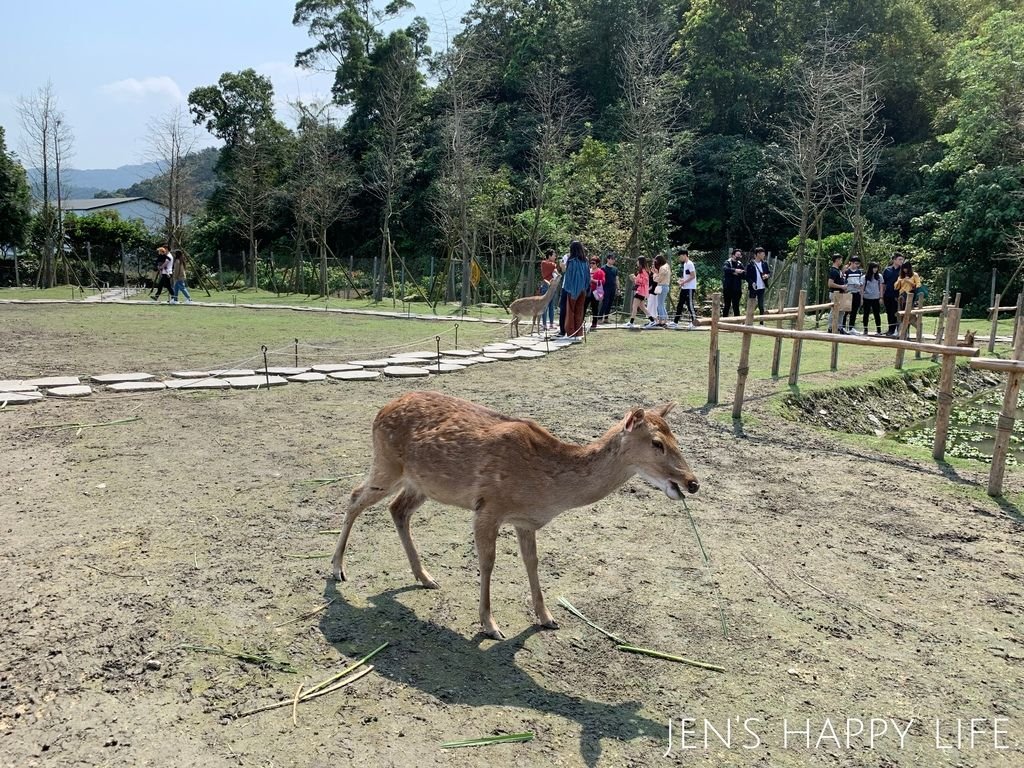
864	140
47	138
236	108
15	200
171	140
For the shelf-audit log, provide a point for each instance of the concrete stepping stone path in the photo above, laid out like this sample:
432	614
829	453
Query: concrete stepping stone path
463	361
500	355
207	383
405	372
15	385
442	368
528	354
190	374
310	376
118	378
137	386
382	363
76	390
416	355
255	382
18	398
282	370
354	375
336	367
54	381
233	373
460	352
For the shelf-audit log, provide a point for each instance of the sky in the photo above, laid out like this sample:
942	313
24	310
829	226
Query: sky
116	65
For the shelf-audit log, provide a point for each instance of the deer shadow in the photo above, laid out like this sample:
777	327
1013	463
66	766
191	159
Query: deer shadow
457	670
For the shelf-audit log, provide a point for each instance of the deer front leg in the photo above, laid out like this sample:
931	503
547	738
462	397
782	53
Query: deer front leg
485	530
528	549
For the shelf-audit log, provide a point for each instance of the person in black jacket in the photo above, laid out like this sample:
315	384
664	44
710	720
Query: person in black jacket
757	275
890	296
733	273
611	283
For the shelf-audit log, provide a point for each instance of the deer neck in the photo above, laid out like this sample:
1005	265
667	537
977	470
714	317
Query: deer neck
597	469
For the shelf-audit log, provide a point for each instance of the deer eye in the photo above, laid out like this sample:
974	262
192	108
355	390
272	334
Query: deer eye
658	445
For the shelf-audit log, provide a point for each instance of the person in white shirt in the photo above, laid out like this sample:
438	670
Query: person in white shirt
687	290
166	269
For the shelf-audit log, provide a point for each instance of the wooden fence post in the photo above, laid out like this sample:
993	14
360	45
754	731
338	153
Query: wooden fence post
716	312
1017	317
945	403
744	367
834	327
220	272
794	362
904	328
995	323
777	350
920	335
1004	426
940	329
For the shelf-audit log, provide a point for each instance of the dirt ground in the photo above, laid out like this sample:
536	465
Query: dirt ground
843	584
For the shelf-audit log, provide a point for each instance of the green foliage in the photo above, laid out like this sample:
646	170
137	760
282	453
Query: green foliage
106	235
15	202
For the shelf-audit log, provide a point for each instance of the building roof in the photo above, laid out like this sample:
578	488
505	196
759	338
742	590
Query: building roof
99	202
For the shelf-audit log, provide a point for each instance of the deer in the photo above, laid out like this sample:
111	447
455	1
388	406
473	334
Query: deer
968	340
533	306
504	470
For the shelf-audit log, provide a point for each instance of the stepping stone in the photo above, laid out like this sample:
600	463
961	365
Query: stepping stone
77	390
458	361
307	377
14	385
55	381
405	372
255	382
336	367
207	383
382	363
481	359
526	341
137	386
18	398
190	374
354	375
500	355
529	353
281	370
417	355
441	367
501	347
233	373
118	378
460	352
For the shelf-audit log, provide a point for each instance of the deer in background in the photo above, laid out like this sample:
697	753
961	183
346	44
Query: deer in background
506	470
968	340
533	306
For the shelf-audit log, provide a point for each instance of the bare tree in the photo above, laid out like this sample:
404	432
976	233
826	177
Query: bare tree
813	142
390	158
249	198
462	162
172	138
557	109
652	107
323	184
47	140
864	141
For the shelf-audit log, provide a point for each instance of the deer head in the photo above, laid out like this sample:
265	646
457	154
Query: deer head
651	451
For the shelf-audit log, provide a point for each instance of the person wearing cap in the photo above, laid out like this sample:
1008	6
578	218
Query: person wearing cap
855	287
757	279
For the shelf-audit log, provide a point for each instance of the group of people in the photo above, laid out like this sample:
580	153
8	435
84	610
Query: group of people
890	288
585	285
170	269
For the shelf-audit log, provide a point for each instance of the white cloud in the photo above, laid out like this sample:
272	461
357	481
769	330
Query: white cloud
135	89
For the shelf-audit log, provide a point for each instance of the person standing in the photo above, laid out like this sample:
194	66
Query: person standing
641	287
562	295
164	277
662	285
547	273
757	275
889	295
872	296
575	287
611	286
732	282
179	278
836	285
595	294
687	290
855	287
907	285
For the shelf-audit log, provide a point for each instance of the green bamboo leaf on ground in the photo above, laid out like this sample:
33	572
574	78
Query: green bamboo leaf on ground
486	741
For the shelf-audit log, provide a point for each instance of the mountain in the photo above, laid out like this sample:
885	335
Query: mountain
84	183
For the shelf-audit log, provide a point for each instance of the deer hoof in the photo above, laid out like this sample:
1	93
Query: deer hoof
550	624
338	573
429	583
495	634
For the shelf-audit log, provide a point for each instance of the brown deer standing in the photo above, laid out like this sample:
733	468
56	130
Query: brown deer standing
507	470
533	306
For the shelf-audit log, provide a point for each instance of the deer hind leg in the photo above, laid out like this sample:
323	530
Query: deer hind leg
402	508
528	549
485	530
378	486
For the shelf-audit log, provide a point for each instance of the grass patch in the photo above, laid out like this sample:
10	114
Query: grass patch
62	292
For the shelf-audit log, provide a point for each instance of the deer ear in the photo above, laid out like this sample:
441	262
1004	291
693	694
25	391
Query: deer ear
665	410
633	419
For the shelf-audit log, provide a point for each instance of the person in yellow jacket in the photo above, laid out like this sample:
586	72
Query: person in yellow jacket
908	283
